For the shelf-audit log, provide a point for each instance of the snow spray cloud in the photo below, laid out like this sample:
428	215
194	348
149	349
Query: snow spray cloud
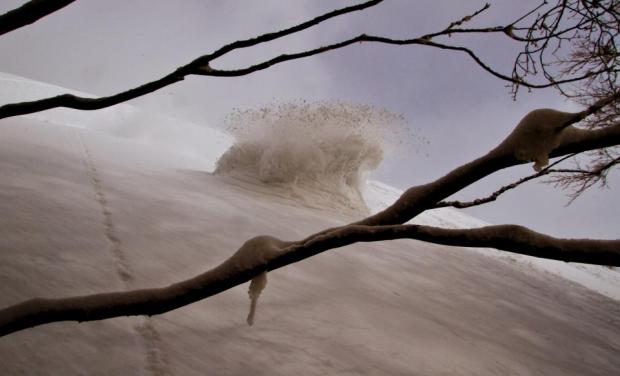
320	153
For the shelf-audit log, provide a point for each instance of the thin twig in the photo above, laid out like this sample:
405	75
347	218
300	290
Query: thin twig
492	197
203	64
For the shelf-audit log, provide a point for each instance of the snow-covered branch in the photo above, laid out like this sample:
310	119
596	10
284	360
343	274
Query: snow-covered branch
28	13
512	238
264	253
253	258
534	139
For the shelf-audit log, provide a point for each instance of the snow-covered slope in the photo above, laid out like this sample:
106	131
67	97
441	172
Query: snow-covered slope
87	210
124	121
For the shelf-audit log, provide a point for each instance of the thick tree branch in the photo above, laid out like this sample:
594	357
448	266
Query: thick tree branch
29	13
512	238
274	254
417	199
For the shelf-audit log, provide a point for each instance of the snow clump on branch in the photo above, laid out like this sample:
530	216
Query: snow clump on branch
253	254
537	134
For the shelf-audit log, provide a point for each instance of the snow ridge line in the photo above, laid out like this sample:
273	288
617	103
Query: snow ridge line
156	360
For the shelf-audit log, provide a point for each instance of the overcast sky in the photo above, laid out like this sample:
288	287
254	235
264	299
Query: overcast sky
103	47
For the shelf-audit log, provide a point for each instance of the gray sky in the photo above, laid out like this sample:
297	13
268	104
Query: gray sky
103	47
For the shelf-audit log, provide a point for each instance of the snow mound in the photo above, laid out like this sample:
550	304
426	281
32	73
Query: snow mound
319	153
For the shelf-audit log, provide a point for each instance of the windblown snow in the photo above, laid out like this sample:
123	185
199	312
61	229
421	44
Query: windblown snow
318	153
94	202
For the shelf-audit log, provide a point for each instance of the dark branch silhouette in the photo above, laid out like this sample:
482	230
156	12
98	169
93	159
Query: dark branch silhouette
202	65
495	195
415	200
581	179
29	13
197	66
591	27
276	254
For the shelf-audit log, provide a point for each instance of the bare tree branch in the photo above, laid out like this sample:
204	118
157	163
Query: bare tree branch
83	103
275	254
29	13
591	28
493	196
581	179
282	33
197	66
202	65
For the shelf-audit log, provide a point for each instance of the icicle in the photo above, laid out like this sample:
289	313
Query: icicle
257	285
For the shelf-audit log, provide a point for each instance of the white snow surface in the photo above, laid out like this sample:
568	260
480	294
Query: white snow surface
199	145
122	199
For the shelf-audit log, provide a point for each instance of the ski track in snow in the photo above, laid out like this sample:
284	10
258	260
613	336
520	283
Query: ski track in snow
149	338
122	267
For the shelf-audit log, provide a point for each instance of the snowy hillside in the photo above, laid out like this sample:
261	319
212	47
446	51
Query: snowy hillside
122	199
124	121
